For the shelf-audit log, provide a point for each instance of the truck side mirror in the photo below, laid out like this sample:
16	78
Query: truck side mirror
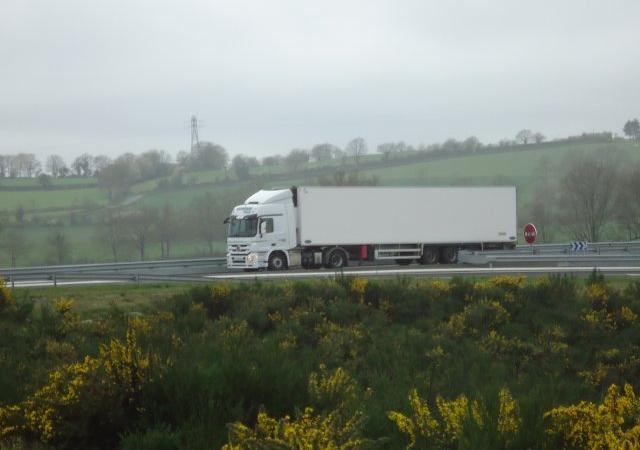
263	228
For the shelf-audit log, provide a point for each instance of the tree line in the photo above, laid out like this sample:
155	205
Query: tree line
596	197
211	156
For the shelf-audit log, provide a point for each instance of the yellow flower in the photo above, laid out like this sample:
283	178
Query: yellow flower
359	286
613	424
63	305
508	419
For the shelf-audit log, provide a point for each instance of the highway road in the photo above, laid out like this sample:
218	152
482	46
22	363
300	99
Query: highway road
365	271
620	259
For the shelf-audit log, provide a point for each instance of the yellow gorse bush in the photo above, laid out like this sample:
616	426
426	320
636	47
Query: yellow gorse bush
444	429
60	351
104	389
613	424
332	390
63	305
507	282
358	286
221	291
509	415
602	315
308	431
330	425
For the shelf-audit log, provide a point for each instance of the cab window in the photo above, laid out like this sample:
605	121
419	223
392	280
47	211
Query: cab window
269	226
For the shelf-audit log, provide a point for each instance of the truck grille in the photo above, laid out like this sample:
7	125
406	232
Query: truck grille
238	255
239	248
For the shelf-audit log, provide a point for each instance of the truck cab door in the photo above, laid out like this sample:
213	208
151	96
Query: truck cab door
271	232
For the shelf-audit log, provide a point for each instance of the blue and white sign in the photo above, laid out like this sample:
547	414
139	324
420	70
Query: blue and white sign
578	246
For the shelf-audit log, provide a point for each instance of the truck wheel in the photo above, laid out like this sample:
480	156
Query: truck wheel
336	259
277	261
403	262
429	255
449	255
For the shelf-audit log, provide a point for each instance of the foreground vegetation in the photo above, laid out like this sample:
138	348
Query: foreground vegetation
343	363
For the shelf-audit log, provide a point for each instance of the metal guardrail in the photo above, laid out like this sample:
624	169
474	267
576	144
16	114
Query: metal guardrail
126	271
593	247
594	254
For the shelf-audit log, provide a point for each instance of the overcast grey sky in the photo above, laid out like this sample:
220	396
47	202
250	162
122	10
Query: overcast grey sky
267	76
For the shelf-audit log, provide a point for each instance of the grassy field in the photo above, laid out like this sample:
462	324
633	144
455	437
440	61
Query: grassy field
32	183
34	201
501	362
86	246
524	167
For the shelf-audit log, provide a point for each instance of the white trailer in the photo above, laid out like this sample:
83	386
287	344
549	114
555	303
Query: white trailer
331	226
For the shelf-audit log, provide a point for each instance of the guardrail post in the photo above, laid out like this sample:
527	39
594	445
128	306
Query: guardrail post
55	281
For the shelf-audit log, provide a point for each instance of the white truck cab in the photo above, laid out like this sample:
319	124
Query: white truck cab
260	231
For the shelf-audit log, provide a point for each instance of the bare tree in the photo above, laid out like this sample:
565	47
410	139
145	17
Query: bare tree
4	166
112	233
273	160
140	225
587	194
55	165
296	158
59	246
542	208
167	228
206	214
539	138
100	163
322	152
628	202
356	147
524	136
31	164
83	165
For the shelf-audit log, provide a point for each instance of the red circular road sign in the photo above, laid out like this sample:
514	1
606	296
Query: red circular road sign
530	233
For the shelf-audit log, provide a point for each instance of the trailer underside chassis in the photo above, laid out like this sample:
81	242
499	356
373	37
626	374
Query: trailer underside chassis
336	257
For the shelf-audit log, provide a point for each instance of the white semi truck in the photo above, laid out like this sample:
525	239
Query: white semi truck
333	226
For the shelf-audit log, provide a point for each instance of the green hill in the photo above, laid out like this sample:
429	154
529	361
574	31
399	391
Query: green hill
77	206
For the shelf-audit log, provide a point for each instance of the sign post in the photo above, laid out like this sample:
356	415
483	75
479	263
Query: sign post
530	234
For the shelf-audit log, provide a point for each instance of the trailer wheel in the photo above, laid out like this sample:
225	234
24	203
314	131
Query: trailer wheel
449	255
429	255
404	262
336	259
277	261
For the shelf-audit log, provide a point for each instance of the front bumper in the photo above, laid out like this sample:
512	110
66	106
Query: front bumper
246	261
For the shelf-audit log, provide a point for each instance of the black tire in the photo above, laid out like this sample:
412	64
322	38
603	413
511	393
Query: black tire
336	259
430	255
404	262
277	261
449	255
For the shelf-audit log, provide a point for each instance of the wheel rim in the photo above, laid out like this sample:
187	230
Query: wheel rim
277	262
430	256
450	254
336	260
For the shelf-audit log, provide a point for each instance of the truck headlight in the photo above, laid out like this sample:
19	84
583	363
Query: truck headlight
252	258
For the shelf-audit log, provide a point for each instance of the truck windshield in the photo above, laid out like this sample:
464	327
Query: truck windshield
246	227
